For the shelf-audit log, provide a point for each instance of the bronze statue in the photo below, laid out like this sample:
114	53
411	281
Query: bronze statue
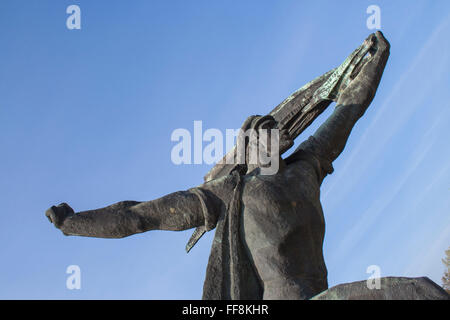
269	228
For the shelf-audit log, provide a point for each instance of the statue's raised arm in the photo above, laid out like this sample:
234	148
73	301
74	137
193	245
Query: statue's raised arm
352	101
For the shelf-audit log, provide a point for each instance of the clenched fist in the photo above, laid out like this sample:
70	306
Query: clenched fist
57	214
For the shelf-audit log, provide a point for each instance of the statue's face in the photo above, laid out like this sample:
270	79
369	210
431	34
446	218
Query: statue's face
266	146
272	139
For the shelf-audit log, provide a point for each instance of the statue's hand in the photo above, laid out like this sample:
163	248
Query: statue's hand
362	88
382	45
57	214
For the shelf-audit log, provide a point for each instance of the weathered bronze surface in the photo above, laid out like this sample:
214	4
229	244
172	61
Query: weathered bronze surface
269	228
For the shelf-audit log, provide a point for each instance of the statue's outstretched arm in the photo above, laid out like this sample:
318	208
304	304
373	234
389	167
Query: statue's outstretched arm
330	139
177	211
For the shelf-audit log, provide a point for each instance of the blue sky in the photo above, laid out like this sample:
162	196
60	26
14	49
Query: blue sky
86	118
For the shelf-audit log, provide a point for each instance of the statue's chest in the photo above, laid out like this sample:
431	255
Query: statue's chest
288	201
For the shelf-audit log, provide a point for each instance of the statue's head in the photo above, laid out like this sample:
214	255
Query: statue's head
260	144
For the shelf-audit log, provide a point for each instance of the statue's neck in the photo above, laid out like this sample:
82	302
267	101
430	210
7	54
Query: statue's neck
256	168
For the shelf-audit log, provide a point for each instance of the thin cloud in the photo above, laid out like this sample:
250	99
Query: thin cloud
370	216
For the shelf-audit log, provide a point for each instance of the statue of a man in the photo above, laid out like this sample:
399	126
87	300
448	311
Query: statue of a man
269	228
